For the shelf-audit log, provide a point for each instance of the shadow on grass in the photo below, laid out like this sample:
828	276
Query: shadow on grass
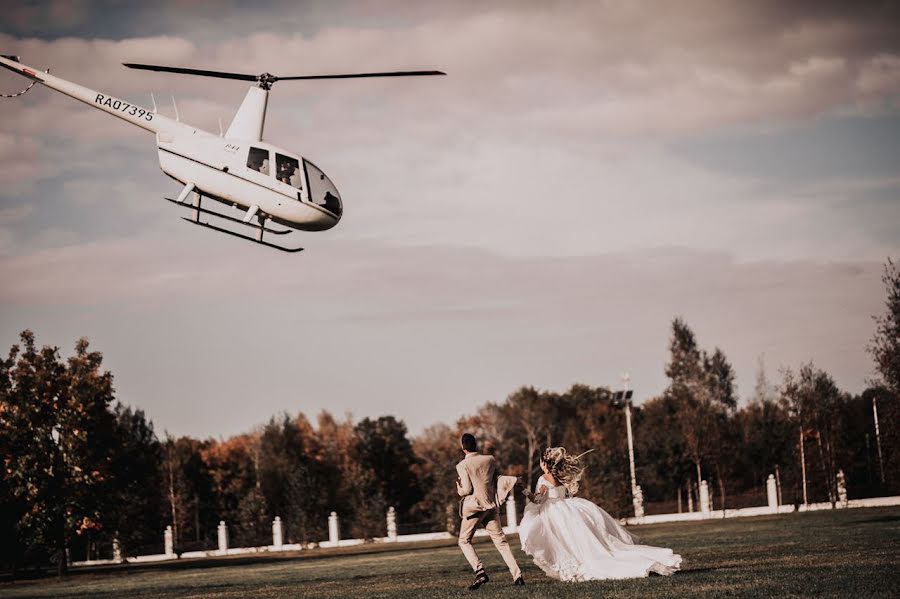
700	571
230	561
881	520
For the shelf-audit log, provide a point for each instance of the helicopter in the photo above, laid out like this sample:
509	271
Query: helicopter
236	168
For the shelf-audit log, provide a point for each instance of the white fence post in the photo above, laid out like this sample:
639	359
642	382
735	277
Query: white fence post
772	493
842	489
512	518
704	497
223	537
638	501
277	533
334	531
170	545
117	551
392	524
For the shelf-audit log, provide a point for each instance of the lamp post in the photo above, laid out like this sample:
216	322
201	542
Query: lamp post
878	437
624	396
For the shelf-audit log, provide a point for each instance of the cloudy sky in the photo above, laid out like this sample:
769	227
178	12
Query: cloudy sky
586	172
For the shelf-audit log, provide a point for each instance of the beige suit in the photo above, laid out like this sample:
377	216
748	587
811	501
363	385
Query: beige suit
477	485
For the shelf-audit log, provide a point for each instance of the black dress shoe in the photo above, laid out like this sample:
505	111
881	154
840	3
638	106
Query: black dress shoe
520	582
481	578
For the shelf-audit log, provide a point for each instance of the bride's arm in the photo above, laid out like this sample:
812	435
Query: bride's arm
540	492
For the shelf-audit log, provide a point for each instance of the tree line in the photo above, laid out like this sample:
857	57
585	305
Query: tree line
82	470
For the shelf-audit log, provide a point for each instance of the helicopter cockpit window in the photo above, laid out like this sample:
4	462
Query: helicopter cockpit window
287	170
322	191
258	160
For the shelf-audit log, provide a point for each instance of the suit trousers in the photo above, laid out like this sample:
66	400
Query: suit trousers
491	521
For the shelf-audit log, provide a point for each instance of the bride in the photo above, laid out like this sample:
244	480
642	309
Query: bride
572	539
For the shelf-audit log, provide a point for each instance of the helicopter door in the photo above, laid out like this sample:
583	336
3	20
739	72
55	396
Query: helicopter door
259	166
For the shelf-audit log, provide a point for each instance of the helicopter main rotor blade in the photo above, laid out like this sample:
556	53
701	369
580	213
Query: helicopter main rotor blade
360	75
183	71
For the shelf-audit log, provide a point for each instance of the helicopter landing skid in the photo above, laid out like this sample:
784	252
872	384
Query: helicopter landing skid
247	237
228	218
261	229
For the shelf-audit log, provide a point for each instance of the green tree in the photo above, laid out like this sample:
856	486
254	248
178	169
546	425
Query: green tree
136	515
815	402
721	431
689	390
384	449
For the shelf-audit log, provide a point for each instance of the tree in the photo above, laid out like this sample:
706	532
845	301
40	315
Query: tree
531	410
719	376
437	452
60	435
13	505
815	401
384	449
345	482
767	440
885	344
763	390
664	466
178	490
702	387
885	350
689	391
136	515
291	479
232	468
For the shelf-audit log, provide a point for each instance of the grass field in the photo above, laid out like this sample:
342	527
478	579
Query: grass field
850	553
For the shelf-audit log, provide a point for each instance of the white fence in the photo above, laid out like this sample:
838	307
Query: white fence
335	540
772	507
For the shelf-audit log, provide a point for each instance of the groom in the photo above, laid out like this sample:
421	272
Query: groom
477	485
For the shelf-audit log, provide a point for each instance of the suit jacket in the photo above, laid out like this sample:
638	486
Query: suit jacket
479	485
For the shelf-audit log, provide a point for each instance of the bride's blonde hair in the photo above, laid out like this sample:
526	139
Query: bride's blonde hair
566	469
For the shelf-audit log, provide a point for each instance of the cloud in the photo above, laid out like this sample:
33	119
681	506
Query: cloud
18	157
14	214
402	318
584	174
611	68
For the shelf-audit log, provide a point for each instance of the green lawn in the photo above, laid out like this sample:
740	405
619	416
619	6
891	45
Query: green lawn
850	553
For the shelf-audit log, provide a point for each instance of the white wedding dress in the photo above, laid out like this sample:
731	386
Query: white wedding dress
572	539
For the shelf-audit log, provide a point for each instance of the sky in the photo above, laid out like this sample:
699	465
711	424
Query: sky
586	172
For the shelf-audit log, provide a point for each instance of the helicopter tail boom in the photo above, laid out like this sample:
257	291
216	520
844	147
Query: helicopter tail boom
132	113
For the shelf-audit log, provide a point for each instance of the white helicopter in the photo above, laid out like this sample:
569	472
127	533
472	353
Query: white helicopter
236	168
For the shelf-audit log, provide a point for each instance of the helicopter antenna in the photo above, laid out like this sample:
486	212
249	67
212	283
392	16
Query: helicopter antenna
175	106
153	99
221	131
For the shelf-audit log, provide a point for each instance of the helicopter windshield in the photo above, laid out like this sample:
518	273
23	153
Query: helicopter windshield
322	191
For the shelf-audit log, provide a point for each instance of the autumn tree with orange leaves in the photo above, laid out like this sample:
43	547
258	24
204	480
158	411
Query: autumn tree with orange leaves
57	437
